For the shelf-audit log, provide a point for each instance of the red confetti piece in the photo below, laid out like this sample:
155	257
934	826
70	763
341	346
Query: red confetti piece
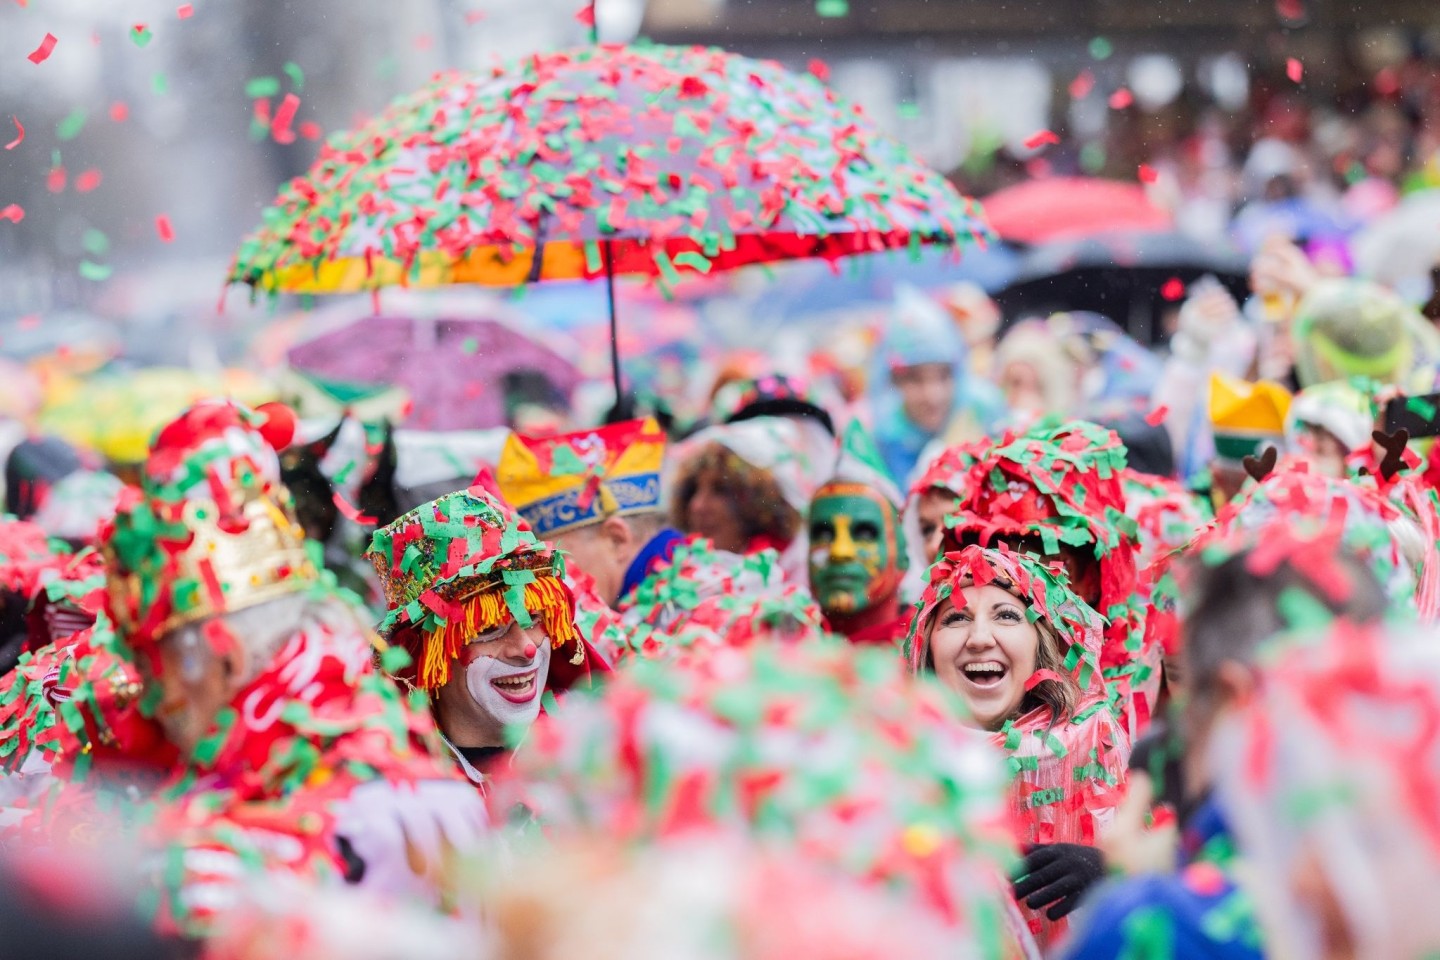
585	16
1157	416
164	229
87	181
473	17
119	111
185	11
19	134
55	180
1081	86
284	117
42	52
1121	99
1147	173
310	130
1040	138
820	70
1294	69
350	512
1174	288
14	213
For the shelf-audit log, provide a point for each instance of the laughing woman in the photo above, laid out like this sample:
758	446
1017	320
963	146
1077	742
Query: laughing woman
1007	635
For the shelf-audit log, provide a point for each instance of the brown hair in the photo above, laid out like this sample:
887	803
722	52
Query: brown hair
1061	695
761	507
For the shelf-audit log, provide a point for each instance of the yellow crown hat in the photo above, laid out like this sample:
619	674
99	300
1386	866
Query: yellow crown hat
565	482
1244	415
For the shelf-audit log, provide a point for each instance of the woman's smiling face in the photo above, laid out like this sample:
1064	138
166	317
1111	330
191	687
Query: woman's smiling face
986	651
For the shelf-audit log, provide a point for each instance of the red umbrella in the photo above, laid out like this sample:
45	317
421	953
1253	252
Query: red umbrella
646	160
1038	211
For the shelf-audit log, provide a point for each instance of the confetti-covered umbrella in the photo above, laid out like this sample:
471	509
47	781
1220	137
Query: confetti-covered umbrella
644	160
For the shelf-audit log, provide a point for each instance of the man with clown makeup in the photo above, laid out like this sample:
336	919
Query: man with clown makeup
483	611
858	552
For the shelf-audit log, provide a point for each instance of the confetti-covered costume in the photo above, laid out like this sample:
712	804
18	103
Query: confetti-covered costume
1330	776
1166	515
316	765
821	747
1060	485
1069	771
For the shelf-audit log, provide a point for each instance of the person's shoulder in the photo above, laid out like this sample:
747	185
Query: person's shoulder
1157	915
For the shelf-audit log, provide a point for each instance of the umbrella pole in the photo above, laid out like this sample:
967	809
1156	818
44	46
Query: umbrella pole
614	324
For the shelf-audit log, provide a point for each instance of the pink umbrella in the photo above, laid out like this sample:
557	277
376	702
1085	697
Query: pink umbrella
1040	210
452	369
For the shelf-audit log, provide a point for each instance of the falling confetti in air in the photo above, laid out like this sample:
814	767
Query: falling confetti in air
87	181
1040	139
1295	70
13	212
42	52
164	229
1146	173
19	134
1121	99
185	11
1174	288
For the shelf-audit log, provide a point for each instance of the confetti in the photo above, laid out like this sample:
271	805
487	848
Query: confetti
19	134
1040	139
296	75
310	130
119	111
1174	288
832	8
141	35
1101	48
163	228
1157	416
87	181
160	84
95	242
284	116
1146	173
95	271
42	52
585	16
1081	86
258	87
69	128
351	513
1121	99
473	17
13	212
1294	69
185	11
56	179
819	69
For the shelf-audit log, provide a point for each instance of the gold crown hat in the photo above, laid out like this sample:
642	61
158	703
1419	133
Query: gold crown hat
460	566
1245	416
568	481
211	529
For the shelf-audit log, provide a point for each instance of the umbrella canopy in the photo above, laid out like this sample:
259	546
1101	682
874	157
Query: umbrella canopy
675	159
1039	211
1401	248
1125	275
452	369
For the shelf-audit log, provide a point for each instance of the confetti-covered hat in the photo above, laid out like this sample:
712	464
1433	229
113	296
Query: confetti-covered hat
1245	417
561	483
211	529
459	566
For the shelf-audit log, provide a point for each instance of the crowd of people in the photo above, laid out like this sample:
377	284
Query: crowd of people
1050	647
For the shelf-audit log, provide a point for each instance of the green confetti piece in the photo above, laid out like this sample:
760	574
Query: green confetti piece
469	345
908	111
259	87
832	8
160	84
395	659
95	271
296	75
95	242
69	128
141	36
1101	48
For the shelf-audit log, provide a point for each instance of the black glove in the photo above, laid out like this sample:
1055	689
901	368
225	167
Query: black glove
1059	874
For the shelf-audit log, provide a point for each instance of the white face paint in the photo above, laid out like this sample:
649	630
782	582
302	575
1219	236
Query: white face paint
506	693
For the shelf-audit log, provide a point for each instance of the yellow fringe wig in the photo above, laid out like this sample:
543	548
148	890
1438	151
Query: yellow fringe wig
546	602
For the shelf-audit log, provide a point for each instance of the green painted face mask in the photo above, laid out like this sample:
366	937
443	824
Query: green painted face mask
857	552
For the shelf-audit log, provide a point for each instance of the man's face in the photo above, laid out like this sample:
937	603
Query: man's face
195	685
927	394
857	555
498	687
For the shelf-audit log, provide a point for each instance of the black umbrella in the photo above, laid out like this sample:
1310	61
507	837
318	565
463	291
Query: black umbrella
1129	276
